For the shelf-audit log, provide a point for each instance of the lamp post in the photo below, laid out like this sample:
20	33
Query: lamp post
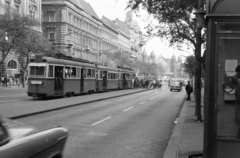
199	25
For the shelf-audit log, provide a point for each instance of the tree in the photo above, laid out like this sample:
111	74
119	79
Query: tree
175	20
13	26
176	24
31	43
189	65
147	68
121	58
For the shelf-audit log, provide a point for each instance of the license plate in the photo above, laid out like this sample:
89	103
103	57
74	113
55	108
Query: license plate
36	82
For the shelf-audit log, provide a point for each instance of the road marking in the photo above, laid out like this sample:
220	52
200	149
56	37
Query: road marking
97	134
101	121
157	96
142	102
128	109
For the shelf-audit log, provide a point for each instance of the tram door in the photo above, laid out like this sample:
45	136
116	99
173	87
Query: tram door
83	74
97	82
124	81
58	82
104	80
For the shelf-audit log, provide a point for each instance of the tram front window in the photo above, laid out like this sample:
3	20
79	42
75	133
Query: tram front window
37	70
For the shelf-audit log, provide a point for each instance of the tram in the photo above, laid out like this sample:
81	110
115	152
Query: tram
49	76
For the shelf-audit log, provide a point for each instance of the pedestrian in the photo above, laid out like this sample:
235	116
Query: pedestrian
2	79
10	81
17	82
189	90
6	79
147	83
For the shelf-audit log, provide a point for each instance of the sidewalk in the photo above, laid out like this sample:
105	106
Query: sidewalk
12	87
187	136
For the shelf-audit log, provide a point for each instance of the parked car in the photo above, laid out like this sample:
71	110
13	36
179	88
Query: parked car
18	140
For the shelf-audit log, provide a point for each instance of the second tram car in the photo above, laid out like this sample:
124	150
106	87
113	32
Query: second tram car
50	76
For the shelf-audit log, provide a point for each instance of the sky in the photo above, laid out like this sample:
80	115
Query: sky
113	9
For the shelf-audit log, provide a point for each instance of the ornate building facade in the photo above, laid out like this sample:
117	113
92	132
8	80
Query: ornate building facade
123	36
109	40
73	27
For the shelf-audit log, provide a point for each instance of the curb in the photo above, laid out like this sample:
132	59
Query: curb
172	147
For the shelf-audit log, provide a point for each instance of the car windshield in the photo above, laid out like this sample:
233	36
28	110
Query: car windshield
37	70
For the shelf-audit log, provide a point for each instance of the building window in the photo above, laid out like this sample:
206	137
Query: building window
17	8
51	17
70	18
12	64
32	14
7	2
51	35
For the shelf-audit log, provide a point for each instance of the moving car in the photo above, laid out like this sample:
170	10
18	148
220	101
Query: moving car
18	140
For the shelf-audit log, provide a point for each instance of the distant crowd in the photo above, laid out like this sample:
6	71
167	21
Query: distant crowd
146	83
7	80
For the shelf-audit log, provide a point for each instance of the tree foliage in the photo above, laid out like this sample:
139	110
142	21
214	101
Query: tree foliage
13	26
141	67
189	66
18	34
121	58
31	44
175	20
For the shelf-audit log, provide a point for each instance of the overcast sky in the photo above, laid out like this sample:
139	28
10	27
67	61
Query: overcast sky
113	9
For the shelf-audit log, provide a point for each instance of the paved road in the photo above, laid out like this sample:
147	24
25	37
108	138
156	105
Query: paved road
133	126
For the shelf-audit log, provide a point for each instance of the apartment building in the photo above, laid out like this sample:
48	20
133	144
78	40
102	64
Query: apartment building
73	27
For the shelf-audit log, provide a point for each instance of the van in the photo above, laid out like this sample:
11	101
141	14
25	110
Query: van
175	85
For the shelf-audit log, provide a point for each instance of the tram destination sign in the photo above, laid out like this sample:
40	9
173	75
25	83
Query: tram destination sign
36	82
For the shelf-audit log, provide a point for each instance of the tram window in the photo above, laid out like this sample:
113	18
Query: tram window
89	73
93	74
101	74
97	72
127	76
73	72
50	71
37	70
109	76
84	73
67	72
78	73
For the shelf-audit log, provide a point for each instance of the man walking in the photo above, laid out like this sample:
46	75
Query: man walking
189	90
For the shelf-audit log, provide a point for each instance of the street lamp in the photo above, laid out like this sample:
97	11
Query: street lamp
200	19
87	50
